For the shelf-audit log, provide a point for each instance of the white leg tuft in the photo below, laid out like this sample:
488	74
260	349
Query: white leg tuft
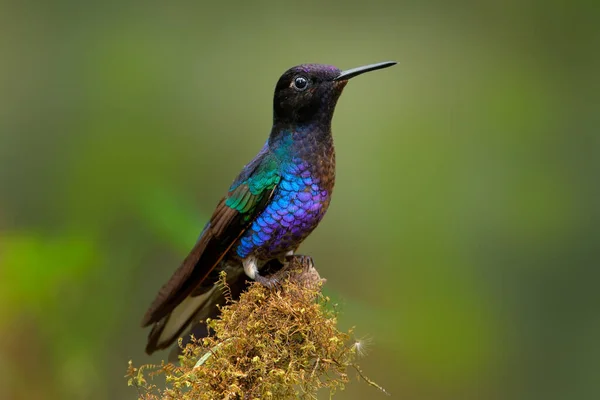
250	267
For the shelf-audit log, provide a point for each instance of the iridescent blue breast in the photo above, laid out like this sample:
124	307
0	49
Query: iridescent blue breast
296	208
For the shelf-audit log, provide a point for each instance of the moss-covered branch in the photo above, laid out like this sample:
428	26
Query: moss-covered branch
271	344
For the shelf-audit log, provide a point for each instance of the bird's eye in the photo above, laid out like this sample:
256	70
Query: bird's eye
300	83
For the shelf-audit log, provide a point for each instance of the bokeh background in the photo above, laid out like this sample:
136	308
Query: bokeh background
462	240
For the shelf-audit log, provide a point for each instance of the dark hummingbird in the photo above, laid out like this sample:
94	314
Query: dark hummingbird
271	207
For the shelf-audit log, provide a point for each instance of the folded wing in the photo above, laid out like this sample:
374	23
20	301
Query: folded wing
246	198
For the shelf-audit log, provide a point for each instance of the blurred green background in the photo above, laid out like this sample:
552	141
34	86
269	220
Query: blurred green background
463	235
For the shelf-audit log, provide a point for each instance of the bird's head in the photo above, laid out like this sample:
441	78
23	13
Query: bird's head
308	93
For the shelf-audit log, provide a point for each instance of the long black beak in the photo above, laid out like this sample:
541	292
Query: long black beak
351	73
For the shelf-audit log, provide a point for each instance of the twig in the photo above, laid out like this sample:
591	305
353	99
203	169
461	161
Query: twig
370	382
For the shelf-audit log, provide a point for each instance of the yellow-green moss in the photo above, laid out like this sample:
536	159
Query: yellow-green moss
271	344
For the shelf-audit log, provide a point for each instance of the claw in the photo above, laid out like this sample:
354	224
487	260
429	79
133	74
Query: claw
270	282
305	261
291	262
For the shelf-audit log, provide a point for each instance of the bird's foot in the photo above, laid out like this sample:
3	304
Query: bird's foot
293	266
300	269
270	282
299	260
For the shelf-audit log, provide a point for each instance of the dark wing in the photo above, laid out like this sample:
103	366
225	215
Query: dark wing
247	197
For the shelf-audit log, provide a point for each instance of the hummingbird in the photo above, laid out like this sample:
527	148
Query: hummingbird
275	202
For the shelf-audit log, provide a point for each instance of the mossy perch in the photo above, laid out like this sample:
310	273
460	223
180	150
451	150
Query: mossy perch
270	344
